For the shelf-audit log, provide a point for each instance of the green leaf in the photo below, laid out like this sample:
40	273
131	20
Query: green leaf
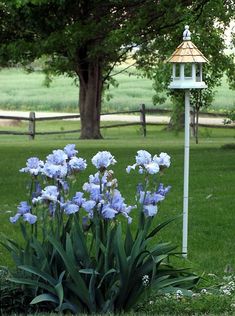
162	225
33	283
123	266
75	292
45	297
173	289
89	271
163	248
82	290
109	256
79	243
128	240
70	249
102	247
41	253
11	246
105	275
178	281
59	290
69	306
24	231
121	255
45	276
138	248
151	264
92	292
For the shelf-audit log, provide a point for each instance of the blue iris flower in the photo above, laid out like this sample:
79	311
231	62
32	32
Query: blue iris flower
77	164
70	208
70	150
33	166
78	199
23	208
31	219
58	157
103	159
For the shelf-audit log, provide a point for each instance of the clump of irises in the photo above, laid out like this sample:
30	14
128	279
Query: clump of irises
75	253
100	193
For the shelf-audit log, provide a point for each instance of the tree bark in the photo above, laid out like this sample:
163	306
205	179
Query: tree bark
90	79
193	122
197	121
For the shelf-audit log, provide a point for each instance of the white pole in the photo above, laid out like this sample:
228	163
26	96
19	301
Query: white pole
186	173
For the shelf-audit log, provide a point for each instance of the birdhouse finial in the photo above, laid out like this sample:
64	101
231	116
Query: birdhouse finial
186	34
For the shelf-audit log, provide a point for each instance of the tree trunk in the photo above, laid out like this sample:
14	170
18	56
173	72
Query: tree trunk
193	122
197	120
90	79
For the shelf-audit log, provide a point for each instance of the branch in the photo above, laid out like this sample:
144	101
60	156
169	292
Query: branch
200	8
118	72
117	61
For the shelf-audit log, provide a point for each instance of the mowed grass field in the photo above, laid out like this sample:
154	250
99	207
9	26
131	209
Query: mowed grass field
22	91
211	194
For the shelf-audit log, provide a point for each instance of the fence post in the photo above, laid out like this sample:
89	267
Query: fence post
143	119
32	125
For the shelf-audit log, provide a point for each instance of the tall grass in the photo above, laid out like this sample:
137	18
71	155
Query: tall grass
22	91
211	196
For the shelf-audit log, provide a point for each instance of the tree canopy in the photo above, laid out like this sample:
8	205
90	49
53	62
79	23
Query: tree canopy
87	38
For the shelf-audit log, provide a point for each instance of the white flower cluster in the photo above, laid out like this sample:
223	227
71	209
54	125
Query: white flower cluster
168	296
145	163
179	294
145	280
4	274
204	291
229	278
227	289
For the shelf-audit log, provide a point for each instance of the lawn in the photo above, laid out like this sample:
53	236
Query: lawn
22	91
211	245
211	197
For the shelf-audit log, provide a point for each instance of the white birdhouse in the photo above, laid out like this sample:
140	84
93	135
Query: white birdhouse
187	63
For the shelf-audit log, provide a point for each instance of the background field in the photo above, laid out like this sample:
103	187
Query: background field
22	91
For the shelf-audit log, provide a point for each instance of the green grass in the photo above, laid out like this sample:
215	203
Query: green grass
211	197
21	91
224	97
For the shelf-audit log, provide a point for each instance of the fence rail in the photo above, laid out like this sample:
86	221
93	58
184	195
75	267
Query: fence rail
143	122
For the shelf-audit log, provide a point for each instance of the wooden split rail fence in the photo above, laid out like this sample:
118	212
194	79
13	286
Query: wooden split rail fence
143	111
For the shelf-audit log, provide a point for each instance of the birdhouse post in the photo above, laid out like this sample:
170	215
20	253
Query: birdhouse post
187	63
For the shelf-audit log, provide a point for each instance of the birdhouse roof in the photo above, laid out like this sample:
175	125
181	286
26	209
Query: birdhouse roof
187	52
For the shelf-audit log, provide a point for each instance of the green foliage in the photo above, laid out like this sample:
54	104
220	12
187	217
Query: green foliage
13	298
93	32
86	39
211	42
198	305
230	116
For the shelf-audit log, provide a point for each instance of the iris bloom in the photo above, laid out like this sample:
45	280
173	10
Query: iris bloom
77	164
103	159
33	166
49	194
70	150
144	163
163	160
